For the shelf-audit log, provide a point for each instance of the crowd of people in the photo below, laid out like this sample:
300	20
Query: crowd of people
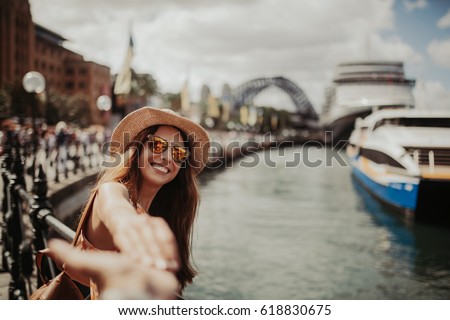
55	145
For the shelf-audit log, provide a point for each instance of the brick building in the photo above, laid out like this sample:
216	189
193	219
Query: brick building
26	46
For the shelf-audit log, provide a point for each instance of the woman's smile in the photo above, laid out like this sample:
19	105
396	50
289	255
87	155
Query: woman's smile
159	168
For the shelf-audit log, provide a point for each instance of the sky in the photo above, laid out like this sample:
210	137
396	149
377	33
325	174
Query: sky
234	41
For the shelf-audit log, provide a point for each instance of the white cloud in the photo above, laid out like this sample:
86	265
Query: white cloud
229	41
444	22
393	49
439	51
412	5
431	95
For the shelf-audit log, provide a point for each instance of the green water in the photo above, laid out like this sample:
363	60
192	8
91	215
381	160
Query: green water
275	232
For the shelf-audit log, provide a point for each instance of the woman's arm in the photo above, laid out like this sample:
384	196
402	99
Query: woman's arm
118	275
94	229
108	196
115	224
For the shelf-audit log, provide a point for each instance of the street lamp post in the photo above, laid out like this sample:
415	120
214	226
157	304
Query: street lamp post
104	104
34	83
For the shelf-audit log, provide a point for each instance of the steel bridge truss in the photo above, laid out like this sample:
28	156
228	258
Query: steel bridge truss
244	94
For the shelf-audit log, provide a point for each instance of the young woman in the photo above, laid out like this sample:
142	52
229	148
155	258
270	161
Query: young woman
145	201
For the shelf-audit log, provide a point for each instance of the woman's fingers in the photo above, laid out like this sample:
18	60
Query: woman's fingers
151	246
128	243
150	241
167	244
160	245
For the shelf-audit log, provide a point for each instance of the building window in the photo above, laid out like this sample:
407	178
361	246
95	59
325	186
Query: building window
69	85
69	71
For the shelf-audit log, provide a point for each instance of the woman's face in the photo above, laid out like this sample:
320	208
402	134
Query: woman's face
160	168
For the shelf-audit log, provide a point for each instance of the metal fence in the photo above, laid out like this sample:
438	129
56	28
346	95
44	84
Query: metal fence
27	216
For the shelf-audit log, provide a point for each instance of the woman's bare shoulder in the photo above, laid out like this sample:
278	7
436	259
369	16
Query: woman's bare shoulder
112	188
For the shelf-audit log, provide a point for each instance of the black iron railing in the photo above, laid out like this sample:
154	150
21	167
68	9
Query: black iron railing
27	216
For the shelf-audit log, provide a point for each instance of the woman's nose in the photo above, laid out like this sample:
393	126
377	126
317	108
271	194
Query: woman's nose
167	154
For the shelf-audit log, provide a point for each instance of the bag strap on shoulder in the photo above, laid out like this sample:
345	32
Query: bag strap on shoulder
39	256
84	216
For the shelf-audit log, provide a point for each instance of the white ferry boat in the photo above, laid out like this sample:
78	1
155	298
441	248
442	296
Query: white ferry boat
360	87
402	157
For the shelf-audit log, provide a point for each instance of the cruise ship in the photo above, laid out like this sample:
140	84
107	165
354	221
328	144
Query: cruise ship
402	157
360	87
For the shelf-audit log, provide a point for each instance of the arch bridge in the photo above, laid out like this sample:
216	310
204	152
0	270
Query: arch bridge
244	95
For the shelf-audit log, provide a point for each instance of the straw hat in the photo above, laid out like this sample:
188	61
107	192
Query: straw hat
128	128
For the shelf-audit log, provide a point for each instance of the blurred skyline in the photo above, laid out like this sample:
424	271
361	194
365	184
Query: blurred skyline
233	41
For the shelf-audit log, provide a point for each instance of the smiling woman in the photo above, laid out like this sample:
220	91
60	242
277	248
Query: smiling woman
145	206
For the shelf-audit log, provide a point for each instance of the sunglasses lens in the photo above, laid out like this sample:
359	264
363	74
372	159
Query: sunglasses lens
179	154
157	144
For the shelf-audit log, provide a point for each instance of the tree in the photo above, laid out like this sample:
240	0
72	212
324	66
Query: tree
22	102
78	111
56	104
143	85
172	101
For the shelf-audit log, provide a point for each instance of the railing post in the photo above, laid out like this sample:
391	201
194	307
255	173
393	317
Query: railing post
41	208
82	157
66	170
40	189
17	288
6	166
5	170
75	159
18	165
57	165
90	152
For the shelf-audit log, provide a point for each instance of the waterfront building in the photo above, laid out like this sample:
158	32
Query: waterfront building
27	46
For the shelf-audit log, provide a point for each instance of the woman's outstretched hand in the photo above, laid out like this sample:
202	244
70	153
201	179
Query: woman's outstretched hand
117	276
147	240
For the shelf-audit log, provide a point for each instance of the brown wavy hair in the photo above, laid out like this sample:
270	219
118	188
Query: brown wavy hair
177	201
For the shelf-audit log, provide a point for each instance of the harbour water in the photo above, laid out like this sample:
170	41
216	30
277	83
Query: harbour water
309	231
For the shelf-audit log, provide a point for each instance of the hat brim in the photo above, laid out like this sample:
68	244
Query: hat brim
136	121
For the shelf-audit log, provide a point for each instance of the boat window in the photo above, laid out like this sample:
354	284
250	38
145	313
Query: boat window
380	157
387	122
415	122
440	156
425	122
